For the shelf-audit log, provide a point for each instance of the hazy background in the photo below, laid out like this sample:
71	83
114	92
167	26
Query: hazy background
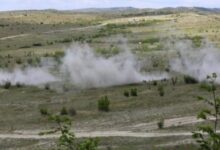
78	4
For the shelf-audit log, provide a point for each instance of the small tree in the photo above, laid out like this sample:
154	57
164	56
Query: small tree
174	80
103	104
207	136
134	92
7	85
67	140
126	93
161	90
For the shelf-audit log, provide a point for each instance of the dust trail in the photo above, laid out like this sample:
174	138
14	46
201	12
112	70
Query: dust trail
196	62
28	76
84	68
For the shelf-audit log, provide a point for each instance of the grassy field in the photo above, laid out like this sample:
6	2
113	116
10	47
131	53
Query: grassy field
26	37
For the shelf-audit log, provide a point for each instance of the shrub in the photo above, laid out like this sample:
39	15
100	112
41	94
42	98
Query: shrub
134	92
72	111
155	83
18	61
66	40
160	124
161	90
18	85
190	80
37	44
47	87
103	104
207	136
126	93
7	85
44	111
63	111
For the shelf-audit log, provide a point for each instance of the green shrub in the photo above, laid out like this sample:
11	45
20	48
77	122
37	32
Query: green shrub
7	85
47	87
161	90
66	40
133	92
18	85
155	83
19	61
160	124
103	104
37	44
126	93
90	144
44	111
63	111
190	80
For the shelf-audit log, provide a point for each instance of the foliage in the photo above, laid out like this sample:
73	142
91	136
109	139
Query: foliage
155	83
197	41
19	85
190	80
207	136
160	124
67	139
47	87
126	93
134	92
7	85
103	104
161	90
64	111
44	111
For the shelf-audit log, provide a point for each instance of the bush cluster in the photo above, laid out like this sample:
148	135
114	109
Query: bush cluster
103	104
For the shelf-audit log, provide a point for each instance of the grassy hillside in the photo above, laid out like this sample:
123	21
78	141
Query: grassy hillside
27	37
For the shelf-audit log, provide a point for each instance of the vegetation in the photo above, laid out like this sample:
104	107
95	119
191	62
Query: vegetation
7	85
161	90
103	104
44	111
43	35
64	111
126	93
207	136
160	124
133	92
67	140
190	80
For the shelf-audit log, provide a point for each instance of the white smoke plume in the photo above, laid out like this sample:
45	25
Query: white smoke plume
84	68
28	76
197	62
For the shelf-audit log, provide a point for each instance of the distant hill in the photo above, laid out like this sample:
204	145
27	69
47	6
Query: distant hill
131	11
127	11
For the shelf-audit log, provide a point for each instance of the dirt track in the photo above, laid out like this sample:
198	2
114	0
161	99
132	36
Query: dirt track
114	133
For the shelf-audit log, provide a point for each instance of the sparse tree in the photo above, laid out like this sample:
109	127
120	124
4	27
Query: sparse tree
67	139
207	136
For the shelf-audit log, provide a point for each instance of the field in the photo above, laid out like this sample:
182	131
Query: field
29	37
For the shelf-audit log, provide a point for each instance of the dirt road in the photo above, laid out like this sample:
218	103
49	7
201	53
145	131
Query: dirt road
34	134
